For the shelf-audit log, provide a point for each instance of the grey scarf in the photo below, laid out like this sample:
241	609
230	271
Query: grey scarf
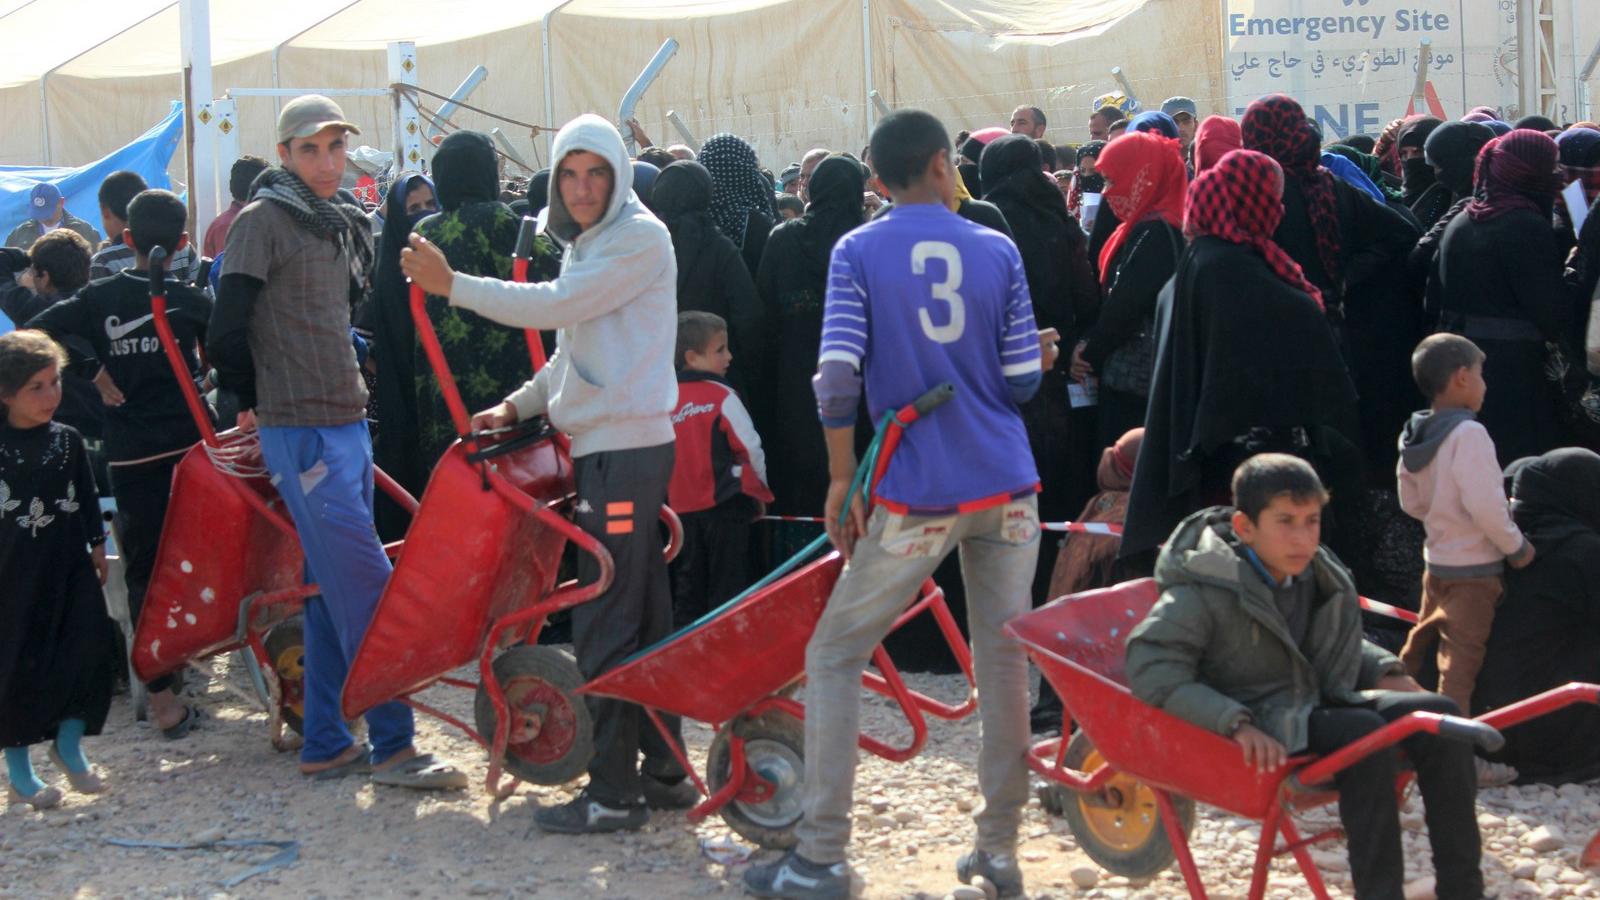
341	223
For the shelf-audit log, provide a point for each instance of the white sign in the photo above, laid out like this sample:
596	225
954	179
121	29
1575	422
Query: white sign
1577	205
1353	63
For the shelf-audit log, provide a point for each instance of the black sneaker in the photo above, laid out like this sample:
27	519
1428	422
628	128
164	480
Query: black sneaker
660	794
586	815
796	878
1000	870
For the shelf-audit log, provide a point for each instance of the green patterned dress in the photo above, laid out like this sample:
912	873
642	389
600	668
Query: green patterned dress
488	360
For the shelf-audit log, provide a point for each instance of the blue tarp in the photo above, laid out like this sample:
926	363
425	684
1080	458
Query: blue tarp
148	155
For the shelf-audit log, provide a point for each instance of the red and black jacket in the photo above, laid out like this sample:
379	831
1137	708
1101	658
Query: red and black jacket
718	451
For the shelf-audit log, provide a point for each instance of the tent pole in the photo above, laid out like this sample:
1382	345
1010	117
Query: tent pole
44	106
549	83
277	52
44	118
201	138
866	51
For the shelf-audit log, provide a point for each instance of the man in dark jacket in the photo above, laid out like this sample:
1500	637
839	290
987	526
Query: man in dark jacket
47	211
1257	636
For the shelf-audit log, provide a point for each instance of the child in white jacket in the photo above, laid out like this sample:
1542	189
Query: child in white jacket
1450	479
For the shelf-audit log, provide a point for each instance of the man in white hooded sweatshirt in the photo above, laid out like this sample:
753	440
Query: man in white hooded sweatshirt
612	387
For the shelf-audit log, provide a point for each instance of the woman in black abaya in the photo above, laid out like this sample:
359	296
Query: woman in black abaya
792	282
1546	631
711	274
395	447
1066	297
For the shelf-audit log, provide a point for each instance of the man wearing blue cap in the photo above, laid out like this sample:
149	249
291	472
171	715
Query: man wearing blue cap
47	211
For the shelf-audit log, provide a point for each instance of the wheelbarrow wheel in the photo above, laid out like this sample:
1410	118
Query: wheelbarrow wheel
286	654
774	749
1118	826
552	735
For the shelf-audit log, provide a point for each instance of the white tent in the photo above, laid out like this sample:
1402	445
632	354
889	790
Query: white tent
77	77
80	77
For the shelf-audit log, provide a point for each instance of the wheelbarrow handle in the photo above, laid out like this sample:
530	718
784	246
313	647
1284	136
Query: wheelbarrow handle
934	398
525	235
169	346
520	260
1486	737
158	272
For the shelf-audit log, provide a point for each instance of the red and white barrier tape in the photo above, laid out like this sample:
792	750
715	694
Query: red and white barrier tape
1384	609
1100	528
1109	530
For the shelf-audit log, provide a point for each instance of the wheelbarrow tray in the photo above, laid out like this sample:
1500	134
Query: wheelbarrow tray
216	549
1079	644
731	659
471	556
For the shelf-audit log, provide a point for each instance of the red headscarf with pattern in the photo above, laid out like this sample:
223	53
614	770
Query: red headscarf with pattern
1515	171
1277	126
1145	179
1240	199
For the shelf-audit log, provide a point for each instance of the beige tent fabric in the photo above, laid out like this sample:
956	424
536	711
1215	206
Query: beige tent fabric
971	63
786	74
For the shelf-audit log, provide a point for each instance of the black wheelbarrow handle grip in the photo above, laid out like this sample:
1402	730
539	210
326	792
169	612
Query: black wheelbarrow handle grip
933	399
525	234
1456	728
158	272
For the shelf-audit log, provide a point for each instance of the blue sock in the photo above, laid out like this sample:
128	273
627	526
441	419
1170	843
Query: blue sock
19	768
69	737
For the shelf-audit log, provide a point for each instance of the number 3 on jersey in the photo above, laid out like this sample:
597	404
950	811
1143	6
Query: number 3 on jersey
946	291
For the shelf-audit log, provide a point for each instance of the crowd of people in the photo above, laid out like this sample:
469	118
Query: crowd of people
1249	317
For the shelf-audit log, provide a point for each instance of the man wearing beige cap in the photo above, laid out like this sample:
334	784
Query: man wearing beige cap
296	260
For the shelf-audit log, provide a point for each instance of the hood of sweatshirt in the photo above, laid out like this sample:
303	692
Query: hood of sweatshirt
595	135
1420	441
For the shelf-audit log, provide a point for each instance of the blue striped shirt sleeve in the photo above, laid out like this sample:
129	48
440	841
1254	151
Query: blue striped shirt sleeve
1019	338
844	311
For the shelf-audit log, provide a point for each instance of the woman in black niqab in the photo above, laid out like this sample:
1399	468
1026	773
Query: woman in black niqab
1066	296
792	282
388	319
711	274
477	234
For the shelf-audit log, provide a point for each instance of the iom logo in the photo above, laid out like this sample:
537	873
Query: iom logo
1356	2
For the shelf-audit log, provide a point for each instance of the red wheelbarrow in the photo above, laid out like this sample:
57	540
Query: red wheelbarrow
479	582
735	670
1131	767
229	572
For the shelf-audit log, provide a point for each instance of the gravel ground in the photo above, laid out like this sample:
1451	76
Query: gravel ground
360	840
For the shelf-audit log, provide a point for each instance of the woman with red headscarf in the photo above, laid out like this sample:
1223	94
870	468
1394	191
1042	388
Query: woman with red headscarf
1500	284
1248	362
1145	185
1217	137
1340	236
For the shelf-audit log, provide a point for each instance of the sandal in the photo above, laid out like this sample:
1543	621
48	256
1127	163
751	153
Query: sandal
1493	774
423	773
360	764
46	798
85	782
190	721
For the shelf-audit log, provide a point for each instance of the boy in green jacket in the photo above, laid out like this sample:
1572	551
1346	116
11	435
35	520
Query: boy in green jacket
1257	636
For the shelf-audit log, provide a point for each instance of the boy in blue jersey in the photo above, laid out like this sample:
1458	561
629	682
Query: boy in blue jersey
917	298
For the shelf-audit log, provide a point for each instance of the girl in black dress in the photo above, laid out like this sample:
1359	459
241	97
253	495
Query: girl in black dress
56	653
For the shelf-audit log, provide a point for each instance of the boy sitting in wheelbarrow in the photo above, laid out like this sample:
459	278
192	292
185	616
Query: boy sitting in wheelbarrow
1257	636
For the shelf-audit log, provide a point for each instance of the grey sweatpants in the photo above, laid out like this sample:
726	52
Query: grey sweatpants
999	548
